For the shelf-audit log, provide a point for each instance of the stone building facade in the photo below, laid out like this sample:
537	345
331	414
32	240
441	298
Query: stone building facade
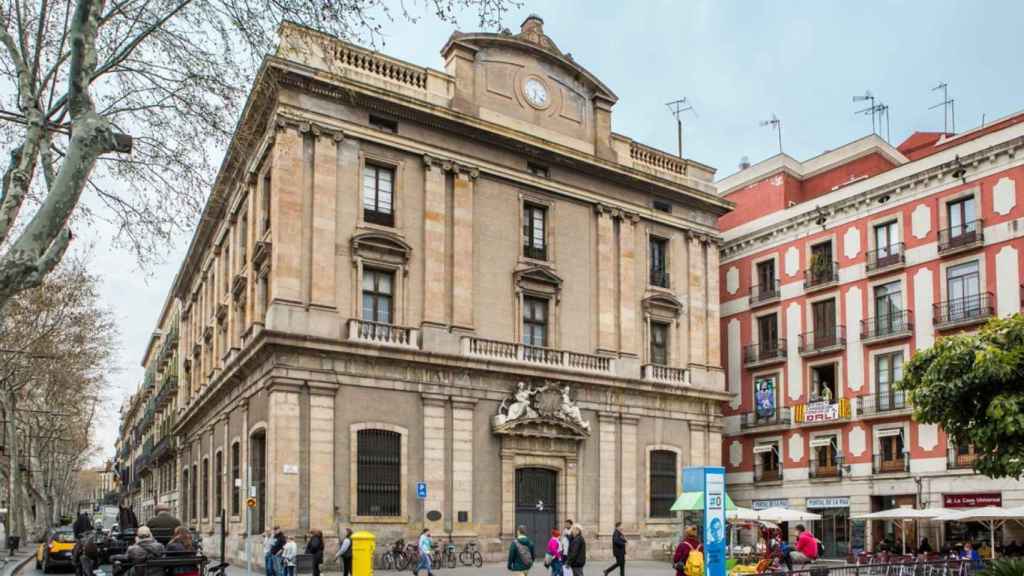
456	292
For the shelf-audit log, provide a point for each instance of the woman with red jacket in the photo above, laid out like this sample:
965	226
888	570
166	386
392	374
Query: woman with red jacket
688	544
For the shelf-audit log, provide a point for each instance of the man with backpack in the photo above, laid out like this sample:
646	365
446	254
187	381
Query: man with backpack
520	553
688	559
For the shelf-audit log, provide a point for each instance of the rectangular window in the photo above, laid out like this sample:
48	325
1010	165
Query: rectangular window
218	490
962	214
659	262
663	483
767	465
535	232
378	473
243	238
890	453
768	334
887	235
206	488
822	265
236	478
888	371
226	269
378	295
265	198
963	290
823	383
766	278
659	343
827	459
889	308
824	320
378	195
535	321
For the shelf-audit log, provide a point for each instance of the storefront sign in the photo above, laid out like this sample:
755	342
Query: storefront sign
974	500
834	502
765	504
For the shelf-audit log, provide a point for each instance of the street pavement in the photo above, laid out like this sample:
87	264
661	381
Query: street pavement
637	568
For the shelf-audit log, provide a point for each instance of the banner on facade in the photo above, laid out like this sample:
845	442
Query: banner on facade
765	397
833	502
972	500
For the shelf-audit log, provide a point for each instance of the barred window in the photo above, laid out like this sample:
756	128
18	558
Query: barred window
218	490
206	488
663	483
236	488
378	473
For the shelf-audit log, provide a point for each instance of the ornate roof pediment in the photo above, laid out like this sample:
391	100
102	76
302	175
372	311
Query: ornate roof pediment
538	274
663	302
539	427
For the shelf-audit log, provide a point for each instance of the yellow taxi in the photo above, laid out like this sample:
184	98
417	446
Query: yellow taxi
55	549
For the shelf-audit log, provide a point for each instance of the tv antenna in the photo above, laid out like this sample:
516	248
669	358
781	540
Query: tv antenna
677	107
776	125
871	109
948	108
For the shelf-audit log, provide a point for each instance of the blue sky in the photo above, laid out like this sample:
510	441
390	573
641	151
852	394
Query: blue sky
738	62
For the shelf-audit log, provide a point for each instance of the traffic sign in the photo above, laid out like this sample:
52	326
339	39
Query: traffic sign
421	490
251	502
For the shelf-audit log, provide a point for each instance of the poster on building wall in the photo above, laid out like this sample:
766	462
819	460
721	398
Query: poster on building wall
765	397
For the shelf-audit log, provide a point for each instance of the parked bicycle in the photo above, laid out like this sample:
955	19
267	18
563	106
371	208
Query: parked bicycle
470	554
394	557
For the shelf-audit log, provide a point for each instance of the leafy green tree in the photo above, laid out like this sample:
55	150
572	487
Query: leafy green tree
973	386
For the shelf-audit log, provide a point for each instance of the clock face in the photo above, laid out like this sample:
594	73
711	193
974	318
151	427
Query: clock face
535	92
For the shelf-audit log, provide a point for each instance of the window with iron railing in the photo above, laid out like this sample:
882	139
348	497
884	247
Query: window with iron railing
962	455
826	461
965	228
892	455
889	371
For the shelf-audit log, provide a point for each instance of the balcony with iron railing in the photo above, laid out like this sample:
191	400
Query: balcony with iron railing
961	237
659	278
764	353
964	311
883	403
821	275
779	416
665	374
515	353
764	293
885	258
828	470
767	474
383	334
960	459
899	324
883	465
824	341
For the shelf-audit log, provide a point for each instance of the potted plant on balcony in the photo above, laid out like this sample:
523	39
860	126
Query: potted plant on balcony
821	269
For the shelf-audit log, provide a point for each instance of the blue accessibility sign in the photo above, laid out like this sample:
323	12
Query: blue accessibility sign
421	490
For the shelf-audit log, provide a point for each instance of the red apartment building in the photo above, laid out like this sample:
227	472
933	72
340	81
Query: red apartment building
834	271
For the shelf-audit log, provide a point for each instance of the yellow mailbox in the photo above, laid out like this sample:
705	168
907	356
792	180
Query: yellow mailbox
363	546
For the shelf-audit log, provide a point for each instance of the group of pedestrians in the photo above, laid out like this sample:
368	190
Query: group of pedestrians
280	552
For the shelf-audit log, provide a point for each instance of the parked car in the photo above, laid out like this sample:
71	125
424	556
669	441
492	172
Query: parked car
55	549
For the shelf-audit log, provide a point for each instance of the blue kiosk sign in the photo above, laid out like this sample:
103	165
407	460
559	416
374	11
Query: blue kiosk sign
711	481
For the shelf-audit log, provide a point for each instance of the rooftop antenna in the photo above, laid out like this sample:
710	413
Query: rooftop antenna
677	107
948	108
869	110
883	110
776	125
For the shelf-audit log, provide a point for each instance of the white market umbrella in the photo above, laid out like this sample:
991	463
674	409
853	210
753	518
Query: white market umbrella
741	514
780	515
994	516
900	516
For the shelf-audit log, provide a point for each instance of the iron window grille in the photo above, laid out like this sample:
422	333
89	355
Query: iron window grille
663	483
378	473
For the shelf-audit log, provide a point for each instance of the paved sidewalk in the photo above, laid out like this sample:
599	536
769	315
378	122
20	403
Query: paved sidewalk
633	568
21	559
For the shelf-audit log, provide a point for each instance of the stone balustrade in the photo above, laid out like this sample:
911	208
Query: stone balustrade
521	353
383	334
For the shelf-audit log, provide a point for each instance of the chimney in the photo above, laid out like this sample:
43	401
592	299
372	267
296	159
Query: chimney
744	163
532	25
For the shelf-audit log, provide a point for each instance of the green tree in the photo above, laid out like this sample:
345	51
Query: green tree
973	386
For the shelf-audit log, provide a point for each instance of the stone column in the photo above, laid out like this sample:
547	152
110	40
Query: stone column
434	452
714	456
629	474
627	284
286	214
608	472
462	247
606	272
714	327
508	494
462	460
434	243
698	298
283	457
324	218
321	459
698	445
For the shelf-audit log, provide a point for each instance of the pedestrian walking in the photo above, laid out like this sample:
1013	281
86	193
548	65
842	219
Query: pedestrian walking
268	556
288	556
577	556
555	559
276	548
618	551
425	546
521	553
344	554
315	548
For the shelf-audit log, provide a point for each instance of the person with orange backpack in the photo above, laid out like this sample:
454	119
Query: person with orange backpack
688	559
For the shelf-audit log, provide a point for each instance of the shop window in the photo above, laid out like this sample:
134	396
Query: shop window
663	483
378	472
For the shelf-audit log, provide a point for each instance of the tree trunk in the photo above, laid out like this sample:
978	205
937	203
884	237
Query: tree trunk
14	524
